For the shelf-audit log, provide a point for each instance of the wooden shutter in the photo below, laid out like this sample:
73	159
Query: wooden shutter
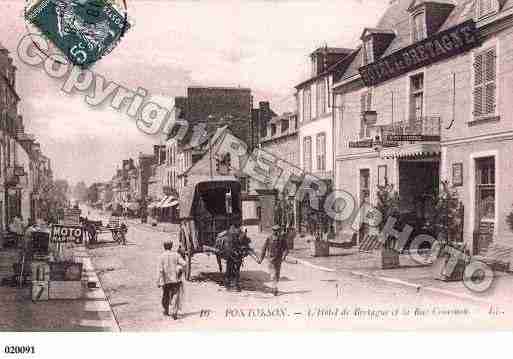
490	79
363	103
369	107
478	84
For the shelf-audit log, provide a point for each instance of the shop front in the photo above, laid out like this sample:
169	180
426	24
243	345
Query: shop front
481	173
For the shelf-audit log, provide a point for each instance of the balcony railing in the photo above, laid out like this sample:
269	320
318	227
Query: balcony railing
419	129
422	129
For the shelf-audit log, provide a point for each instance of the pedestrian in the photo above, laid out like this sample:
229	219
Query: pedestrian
232	248
170	274
275	250
123	232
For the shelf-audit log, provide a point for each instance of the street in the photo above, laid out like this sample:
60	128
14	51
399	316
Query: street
309	298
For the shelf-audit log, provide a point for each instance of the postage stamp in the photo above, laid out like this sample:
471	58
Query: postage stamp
84	30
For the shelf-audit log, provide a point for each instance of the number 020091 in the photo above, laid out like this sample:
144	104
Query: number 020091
19	349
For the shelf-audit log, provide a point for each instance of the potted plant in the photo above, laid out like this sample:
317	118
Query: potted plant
447	222
388	202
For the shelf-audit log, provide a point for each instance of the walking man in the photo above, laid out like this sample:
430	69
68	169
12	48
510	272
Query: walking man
123	232
170	272
276	250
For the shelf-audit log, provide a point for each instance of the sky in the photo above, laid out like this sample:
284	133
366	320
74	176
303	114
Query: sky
260	44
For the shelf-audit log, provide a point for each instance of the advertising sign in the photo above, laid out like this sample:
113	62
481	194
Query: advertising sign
440	46
72	216
65	234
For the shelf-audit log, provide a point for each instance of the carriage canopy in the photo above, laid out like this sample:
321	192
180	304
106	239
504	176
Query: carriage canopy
218	196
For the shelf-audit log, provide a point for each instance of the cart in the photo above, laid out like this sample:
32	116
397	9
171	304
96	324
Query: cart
113	226
210	221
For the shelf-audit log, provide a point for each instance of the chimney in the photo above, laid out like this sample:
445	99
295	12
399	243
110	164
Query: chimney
264	106
156	153
181	104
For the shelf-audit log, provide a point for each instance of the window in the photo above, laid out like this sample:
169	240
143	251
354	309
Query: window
485	179
314	65
418	27
365	105
244	184
416	97
364	185
339	110
368	52
320	150
307	154
307	105
487	7
321	97
485	75
284	125
273	129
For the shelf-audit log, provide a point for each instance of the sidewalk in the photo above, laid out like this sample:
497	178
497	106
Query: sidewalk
92	312
410	273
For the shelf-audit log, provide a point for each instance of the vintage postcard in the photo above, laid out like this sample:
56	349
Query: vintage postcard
255	165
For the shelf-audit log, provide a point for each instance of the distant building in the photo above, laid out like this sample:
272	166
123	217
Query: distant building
314	97
282	138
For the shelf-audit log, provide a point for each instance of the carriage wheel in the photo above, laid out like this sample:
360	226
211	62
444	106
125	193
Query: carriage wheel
218	257
188	253
188	269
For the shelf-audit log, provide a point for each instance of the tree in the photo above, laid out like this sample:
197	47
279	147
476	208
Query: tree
448	214
388	203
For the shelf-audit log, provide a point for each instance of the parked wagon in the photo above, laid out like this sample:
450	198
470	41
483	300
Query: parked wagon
211	219
114	226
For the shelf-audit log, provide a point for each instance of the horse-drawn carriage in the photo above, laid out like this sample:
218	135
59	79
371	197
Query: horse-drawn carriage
210	222
114	226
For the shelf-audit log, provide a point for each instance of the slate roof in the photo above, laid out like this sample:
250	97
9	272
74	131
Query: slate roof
397	17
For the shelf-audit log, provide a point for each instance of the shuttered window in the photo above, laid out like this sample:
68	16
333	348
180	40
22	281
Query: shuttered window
307	104
419	27
307	154
321	151
368	53
487	7
485	83
365	105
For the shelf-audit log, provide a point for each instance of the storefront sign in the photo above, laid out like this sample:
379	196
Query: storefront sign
72	216
413	138
445	44
65	234
372	143
361	144
457	174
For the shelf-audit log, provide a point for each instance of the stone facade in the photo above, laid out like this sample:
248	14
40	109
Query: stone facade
233	105
282	138
447	108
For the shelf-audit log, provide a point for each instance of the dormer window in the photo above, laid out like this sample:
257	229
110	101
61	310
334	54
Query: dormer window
368	51
486	7
418	22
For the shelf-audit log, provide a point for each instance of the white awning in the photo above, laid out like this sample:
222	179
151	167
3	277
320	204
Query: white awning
169	202
160	203
411	150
